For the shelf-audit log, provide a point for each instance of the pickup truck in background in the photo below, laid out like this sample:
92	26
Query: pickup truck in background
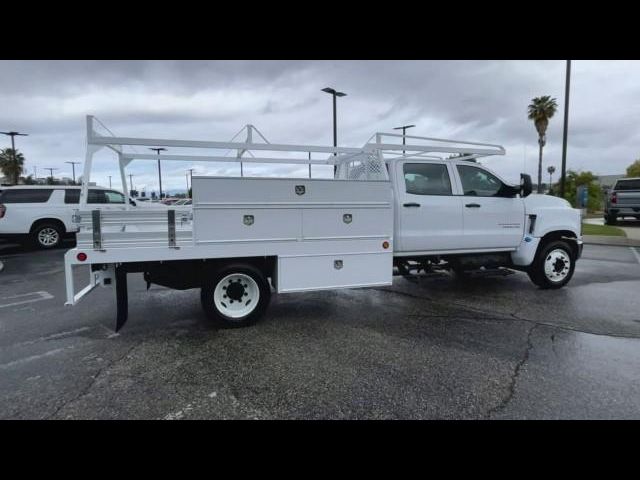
623	201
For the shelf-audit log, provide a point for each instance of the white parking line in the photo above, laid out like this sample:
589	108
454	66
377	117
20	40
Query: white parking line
53	336
635	251
19	361
41	295
4	366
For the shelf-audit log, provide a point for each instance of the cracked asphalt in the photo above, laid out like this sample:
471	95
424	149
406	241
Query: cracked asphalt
492	347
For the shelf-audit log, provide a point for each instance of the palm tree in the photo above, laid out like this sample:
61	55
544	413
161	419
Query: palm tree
551	169
11	164
540	110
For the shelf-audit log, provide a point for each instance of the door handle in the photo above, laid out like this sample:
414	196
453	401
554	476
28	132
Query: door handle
411	204
472	205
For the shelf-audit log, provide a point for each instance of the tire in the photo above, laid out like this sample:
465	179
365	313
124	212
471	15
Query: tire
47	235
218	300
553	266
610	219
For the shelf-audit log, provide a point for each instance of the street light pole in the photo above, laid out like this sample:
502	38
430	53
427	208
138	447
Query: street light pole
73	166
335	94
404	131
190	181
51	172
158	150
109	181
131	189
563	170
13	145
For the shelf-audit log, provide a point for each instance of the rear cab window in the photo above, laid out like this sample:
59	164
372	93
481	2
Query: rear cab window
26	195
622	185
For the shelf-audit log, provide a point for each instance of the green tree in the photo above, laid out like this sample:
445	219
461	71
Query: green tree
11	165
576	179
540	110
633	170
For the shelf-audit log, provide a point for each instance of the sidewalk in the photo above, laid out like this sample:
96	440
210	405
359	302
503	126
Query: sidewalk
630	228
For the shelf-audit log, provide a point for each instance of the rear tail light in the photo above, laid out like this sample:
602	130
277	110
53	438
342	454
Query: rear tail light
3	209
81	256
614	197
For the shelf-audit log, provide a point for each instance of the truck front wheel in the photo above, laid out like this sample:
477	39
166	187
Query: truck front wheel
235	296
553	266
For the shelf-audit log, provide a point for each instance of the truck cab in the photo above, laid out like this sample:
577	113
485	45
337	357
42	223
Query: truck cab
461	212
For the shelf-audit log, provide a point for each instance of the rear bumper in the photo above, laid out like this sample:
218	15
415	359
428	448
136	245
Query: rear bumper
631	211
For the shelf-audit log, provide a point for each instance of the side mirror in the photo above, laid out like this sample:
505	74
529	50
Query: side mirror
526	187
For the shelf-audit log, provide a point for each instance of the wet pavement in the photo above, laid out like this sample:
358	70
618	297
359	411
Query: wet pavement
440	347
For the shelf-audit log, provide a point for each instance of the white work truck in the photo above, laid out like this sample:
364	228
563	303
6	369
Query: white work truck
399	205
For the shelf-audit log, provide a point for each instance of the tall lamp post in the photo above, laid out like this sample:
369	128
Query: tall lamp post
158	150
131	189
13	144
73	167
404	132
109	181
335	94
51	172
190	181
563	169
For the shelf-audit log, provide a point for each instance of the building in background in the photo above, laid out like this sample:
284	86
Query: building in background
606	182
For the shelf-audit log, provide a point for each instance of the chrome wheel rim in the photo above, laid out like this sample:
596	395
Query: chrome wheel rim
236	295
48	236
557	265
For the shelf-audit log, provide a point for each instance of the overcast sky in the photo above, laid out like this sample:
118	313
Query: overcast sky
483	101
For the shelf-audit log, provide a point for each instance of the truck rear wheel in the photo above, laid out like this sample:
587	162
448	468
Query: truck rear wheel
610	219
553	266
236	296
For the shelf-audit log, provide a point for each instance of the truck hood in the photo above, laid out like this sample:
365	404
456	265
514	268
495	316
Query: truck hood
538	201
552	214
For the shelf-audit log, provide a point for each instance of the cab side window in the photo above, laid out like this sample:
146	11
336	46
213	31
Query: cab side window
477	182
426	179
96	196
114	197
72	195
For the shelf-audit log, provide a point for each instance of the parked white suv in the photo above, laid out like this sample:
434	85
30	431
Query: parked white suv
43	214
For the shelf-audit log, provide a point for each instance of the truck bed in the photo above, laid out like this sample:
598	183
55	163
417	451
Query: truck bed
332	228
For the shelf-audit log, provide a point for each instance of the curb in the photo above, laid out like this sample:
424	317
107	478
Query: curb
610	241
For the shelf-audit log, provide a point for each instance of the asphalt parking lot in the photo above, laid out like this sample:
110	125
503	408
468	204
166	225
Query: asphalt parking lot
440	348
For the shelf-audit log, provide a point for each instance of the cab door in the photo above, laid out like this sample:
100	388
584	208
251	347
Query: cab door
429	214
493	215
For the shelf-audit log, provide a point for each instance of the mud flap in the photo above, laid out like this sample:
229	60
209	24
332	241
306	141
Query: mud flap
122	298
